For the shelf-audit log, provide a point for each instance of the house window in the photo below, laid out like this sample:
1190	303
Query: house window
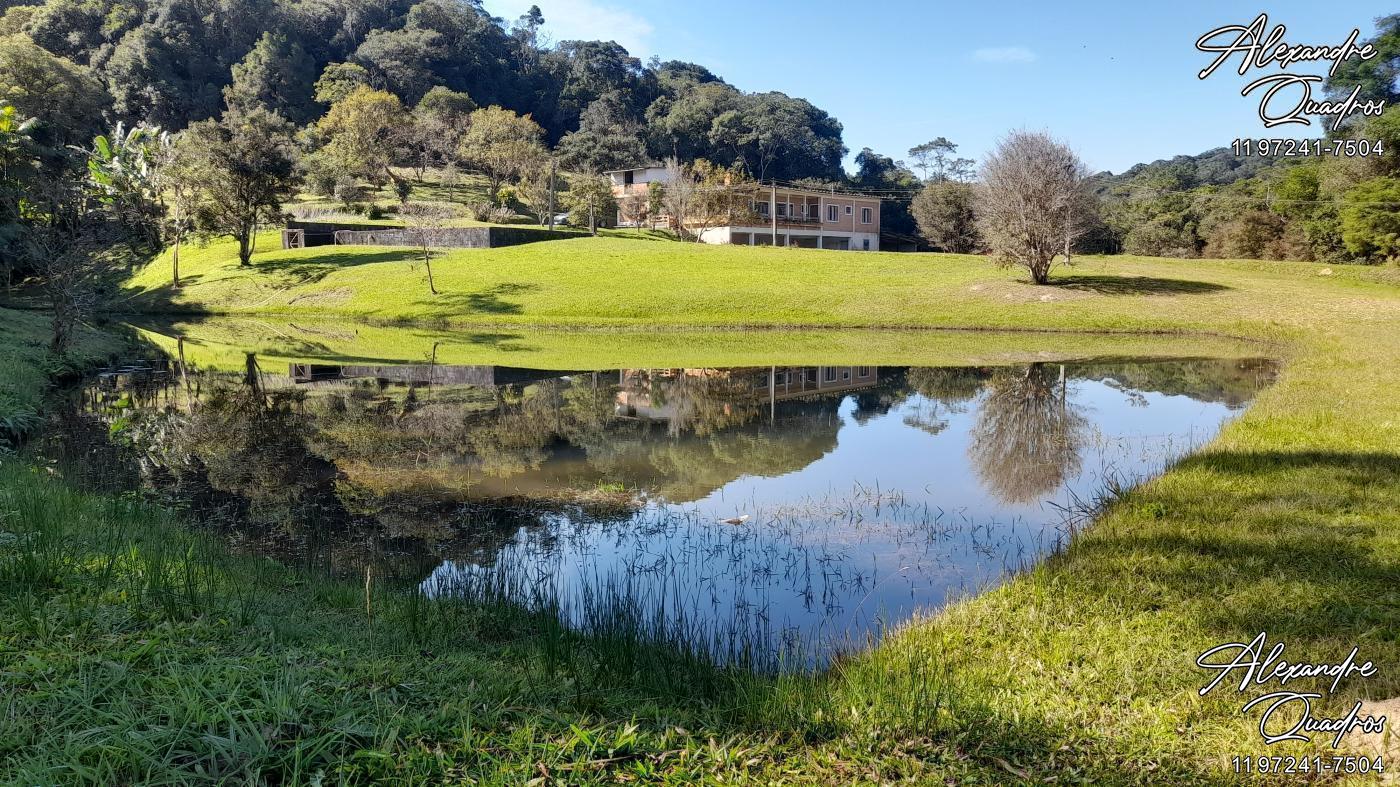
848	210
628	178
867	244
832	211
829	374
862	371
762	208
782	209
866	215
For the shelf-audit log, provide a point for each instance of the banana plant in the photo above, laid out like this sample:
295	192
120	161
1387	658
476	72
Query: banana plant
122	172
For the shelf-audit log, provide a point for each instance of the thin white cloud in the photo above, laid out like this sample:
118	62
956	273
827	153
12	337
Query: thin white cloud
1004	54
566	20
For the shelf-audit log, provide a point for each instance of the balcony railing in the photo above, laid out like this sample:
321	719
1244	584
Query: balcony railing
800	221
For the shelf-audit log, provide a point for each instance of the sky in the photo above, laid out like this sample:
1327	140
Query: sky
1116	80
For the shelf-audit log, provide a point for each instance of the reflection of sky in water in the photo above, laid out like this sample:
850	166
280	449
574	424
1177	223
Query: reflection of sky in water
892	520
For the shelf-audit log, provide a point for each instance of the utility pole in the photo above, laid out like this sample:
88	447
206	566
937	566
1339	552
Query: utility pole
551	195
773	211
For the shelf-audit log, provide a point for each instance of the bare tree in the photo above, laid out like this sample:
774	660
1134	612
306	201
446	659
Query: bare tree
72	263
1032	203
722	196
678	193
427	224
537	186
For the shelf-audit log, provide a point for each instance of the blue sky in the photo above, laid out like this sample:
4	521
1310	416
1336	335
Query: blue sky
1117	80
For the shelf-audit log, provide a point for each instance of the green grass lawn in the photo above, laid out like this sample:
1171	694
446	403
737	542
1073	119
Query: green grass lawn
130	651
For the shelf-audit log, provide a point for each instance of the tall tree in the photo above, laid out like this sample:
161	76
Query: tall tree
277	74
937	160
65	99
608	138
501	144
241	168
362	131
680	124
776	136
339	80
434	131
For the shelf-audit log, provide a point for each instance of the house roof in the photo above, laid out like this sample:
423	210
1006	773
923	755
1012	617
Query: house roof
635	169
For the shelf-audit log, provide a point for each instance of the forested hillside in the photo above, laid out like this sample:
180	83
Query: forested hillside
173	62
1305	206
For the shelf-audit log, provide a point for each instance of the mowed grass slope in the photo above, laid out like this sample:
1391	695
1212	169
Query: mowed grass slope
619	282
1079	671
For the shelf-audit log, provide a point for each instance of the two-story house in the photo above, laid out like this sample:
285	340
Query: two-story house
780	216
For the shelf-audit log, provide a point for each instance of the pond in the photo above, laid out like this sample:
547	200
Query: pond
757	513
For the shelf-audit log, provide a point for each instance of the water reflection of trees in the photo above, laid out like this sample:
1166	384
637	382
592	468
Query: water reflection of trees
1028	436
370	468
943	391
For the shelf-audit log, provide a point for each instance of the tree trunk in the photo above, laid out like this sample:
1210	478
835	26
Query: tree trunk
428	263
245	248
175	259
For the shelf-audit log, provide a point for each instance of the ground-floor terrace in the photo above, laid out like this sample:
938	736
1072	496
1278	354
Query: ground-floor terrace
797	237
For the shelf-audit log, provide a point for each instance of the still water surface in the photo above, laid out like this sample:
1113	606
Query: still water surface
755	510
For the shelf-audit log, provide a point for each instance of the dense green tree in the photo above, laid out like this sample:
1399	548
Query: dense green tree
945	216
442	42
242	167
895	183
591	202
608	138
433	134
776	136
501	144
590	70
172	68
361	132
1379	77
679	125
81	30
276	74
1370	220
65	100
339	80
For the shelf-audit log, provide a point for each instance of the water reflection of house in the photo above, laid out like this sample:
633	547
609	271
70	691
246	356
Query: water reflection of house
420	374
637	396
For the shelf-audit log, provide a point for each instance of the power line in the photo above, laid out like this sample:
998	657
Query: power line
1268	200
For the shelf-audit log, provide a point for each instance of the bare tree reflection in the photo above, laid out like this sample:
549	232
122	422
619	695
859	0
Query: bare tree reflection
1028	436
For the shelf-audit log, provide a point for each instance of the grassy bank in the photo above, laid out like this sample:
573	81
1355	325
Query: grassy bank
618	282
1079	671
26	366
